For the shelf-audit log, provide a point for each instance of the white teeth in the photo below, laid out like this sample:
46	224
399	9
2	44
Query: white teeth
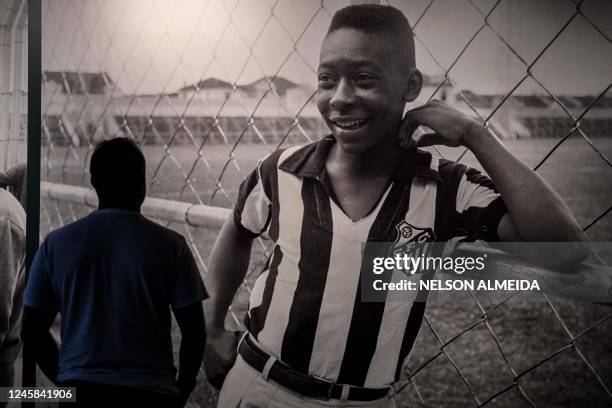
354	124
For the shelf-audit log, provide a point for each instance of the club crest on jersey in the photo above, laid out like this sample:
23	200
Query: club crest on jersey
411	240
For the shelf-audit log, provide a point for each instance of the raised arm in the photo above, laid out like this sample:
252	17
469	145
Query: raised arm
227	268
535	211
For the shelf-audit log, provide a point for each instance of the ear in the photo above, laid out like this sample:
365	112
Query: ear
414	83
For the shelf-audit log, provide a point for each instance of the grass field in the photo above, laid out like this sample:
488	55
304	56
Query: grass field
526	332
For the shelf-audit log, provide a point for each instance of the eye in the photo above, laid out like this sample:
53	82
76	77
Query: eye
365	80
326	81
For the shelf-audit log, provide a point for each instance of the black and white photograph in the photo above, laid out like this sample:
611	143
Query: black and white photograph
306	203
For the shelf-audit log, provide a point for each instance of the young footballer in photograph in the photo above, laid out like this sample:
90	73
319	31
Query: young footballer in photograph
311	340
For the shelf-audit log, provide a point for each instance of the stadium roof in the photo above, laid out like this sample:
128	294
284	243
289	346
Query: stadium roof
208	83
280	84
72	82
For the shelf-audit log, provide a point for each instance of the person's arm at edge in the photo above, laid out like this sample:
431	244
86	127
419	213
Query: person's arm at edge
191	323
536	213
38	339
227	268
11	263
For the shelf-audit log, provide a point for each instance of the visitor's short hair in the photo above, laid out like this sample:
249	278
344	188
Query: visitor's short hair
118	170
377	19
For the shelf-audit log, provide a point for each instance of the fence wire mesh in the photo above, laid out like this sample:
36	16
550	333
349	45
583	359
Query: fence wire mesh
13	82
120	68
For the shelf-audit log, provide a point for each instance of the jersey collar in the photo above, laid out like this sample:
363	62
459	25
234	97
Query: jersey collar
309	161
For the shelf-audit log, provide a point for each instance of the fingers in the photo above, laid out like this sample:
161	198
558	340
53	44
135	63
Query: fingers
405	134
410	132
434	103
435	115
407	143
408	126
420	116
430	139
412	120
446	123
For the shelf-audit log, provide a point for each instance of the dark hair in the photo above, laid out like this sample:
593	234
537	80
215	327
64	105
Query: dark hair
118	172
377	19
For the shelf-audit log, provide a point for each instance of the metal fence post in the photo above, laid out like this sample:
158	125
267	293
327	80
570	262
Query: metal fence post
33	187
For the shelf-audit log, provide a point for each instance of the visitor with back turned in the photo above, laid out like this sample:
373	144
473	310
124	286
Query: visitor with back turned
114	276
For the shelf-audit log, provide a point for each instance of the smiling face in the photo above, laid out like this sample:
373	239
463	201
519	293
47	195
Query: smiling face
362	88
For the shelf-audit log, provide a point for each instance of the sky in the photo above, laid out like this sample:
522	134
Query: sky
151	46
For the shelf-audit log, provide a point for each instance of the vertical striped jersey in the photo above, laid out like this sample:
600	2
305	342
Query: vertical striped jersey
305	308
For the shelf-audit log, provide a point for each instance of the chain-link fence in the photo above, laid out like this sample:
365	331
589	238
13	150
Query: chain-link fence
13	82
209	87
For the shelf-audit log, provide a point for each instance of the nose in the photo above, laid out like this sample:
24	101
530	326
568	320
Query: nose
343	95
